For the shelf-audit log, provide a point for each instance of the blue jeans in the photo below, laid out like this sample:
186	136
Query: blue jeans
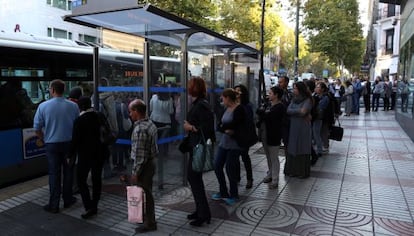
316	134
230	158
355	102
55	153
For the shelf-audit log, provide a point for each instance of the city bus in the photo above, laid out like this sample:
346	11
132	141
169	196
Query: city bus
27	65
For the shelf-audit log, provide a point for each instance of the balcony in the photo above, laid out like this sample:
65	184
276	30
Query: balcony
396	2
386	51
387	13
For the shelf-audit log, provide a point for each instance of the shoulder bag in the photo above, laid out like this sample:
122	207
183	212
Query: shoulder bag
203	155
336	132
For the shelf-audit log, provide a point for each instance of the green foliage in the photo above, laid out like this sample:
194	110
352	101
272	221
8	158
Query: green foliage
334	30
241	19
287	50
202	12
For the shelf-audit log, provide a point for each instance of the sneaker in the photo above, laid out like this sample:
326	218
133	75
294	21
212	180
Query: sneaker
216	196
230	201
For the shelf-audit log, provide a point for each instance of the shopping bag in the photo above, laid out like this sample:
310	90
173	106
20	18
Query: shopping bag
336	132
135	200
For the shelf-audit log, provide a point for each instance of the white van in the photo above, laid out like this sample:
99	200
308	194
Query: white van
307	76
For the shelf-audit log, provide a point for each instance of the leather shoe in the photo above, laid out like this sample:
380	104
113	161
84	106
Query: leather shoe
144	229
192	216
69	204
249	184
50	209
199	222
89	214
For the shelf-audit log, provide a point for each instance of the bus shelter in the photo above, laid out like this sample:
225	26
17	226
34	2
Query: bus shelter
221	61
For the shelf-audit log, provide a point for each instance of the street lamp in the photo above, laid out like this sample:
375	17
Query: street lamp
261	71
297	40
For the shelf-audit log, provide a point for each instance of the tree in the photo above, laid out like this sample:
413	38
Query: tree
241	19
202	12
334	31
287	50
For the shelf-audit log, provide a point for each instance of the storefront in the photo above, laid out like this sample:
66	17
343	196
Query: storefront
406	66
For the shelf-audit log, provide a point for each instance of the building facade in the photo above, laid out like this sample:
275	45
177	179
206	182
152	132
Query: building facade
406	63
44	18
386	34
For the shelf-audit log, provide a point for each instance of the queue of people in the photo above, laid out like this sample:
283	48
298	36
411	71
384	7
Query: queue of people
298	120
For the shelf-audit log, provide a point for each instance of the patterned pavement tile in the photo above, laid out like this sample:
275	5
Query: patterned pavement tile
393	227
304	228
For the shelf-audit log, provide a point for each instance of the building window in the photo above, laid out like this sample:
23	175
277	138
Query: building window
391	10
58	33
389	44
61	4
87	38
77	3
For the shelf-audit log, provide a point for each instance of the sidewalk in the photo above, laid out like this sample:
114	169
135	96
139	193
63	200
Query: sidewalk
364	186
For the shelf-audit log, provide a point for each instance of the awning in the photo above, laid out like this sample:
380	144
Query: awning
155	24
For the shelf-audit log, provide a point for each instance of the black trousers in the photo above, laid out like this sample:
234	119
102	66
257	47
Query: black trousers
195	179
144	180
367	102
247	164
86	165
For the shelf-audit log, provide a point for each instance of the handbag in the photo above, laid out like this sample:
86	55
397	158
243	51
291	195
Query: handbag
203	155
184	146
336	132
135	200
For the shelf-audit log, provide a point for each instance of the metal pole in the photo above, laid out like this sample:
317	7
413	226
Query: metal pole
261	71
297	39
96	78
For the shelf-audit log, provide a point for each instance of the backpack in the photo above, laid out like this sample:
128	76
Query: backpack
106	136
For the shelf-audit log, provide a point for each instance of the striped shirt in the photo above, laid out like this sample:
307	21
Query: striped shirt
143	143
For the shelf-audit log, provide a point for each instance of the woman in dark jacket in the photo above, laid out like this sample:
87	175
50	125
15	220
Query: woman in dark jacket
243	99
272	133
200	118
233	140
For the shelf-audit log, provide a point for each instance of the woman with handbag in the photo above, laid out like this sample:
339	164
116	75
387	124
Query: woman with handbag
200	118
